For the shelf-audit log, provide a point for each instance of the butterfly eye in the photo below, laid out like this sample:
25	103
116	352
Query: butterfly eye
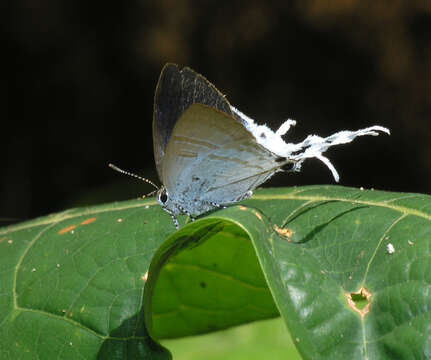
163	196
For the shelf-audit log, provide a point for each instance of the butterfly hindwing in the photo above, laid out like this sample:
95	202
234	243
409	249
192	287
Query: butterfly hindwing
215	163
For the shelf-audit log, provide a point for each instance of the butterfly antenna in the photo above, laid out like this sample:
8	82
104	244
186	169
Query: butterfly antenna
116	168
149	194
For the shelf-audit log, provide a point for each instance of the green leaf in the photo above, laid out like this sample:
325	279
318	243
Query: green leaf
105	281
266	339
210	279
339	246
71	284
317	247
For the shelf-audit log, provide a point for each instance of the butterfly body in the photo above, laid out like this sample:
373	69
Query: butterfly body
212	160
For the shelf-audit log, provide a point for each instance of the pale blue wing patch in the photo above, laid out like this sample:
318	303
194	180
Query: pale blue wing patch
212	158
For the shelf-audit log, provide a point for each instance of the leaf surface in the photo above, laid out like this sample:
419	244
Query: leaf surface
71	284
103	282
324	254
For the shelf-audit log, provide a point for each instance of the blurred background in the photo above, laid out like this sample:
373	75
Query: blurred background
78	79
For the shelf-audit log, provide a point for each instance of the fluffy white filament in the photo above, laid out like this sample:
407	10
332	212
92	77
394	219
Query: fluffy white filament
312	147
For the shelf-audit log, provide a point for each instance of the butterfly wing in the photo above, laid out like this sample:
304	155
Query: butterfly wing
213	158
176	90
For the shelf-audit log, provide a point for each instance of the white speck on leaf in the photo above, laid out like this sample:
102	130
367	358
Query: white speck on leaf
390	248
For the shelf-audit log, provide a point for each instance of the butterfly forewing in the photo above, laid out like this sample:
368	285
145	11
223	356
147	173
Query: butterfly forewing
211	157
176	90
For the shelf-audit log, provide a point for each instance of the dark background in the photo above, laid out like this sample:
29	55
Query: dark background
78	79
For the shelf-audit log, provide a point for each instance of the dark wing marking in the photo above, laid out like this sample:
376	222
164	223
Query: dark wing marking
176	90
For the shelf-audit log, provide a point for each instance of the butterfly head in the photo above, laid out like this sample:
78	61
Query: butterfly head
163	196
168	203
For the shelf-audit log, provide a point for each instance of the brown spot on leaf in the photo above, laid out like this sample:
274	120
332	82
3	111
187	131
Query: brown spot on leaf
67	229
242	207
287	233
88	221
145	276
258	216
354	298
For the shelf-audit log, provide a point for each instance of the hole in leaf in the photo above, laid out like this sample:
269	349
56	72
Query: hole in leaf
360	301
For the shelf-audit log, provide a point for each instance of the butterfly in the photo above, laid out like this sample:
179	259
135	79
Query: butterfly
208	154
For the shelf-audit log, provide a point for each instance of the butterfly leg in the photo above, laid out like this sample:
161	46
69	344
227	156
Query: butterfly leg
184	211
173	217
247	195
216	205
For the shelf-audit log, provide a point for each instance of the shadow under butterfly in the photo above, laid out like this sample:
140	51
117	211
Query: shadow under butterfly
208	154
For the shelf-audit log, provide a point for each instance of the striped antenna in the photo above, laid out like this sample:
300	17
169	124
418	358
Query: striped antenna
116	168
